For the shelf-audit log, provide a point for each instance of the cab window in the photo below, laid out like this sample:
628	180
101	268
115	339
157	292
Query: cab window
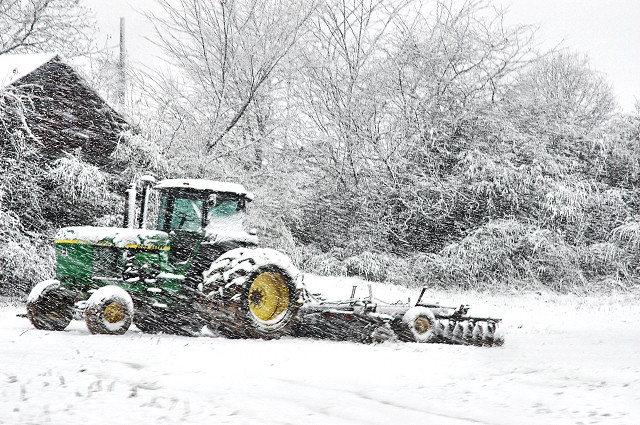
187	214
180	213
223	207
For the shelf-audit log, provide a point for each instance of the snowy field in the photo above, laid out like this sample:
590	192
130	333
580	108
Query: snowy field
567	360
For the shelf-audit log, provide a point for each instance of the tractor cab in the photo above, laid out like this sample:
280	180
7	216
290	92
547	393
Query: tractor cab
201	215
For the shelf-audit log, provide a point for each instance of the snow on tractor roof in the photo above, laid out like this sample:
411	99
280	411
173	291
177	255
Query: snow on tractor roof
14	67
202	184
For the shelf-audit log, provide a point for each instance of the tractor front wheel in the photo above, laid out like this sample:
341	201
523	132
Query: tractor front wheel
48	307
109	311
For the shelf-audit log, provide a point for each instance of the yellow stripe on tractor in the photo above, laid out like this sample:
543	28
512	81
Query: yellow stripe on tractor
133	246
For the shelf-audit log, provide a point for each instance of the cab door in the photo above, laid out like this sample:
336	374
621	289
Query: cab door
183	220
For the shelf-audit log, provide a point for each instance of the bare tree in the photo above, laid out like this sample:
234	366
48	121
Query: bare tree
395	97
225	53
568	90
343	90
28	26
382	80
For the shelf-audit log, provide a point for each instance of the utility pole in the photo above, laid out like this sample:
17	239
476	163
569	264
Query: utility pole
122	67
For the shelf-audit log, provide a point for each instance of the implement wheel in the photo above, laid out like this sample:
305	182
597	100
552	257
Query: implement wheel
109	311
420	325
251	293
48	307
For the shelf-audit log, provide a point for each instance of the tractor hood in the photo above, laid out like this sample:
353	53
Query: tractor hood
113	236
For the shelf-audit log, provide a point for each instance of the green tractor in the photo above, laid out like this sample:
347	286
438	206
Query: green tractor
198	267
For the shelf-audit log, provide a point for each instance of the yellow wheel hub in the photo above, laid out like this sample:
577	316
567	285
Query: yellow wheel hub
422	325
268	296
114	312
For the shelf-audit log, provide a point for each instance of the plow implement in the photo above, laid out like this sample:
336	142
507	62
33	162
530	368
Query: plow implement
459	328
369	320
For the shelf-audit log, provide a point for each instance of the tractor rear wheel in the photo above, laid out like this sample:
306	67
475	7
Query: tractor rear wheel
48	307
251	293
109	311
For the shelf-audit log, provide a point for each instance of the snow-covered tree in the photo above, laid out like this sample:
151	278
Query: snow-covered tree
28	26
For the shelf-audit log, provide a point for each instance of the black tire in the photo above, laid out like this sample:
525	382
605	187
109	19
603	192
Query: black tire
420	325
145	320
166	322
109	311
181	322
49	307
251	293
181	319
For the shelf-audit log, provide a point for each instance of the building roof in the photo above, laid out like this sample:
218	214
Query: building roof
64	111
14	67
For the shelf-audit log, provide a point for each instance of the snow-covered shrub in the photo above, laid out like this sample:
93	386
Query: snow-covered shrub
369	265
24	261
433	270
505	250
606	260
584	210
78	192
627	237
77	180
139	154
502	185
311	260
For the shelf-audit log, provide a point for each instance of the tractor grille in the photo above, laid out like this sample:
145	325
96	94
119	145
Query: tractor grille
106	262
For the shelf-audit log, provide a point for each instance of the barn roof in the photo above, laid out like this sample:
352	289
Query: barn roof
14	67
65	113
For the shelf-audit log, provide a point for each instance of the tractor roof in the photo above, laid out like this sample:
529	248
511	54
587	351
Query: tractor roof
204	185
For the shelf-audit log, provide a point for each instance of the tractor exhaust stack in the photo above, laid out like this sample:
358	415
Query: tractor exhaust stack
147	182
130	210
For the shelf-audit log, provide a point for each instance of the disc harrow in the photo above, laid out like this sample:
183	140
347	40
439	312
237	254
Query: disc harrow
481	332
454	326
369	320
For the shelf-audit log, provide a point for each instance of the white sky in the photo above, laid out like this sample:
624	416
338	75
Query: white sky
608	31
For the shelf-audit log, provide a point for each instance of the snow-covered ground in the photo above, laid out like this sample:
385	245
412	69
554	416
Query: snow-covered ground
567	360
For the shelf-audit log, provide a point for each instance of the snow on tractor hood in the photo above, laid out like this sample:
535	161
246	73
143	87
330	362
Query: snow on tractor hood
118	237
